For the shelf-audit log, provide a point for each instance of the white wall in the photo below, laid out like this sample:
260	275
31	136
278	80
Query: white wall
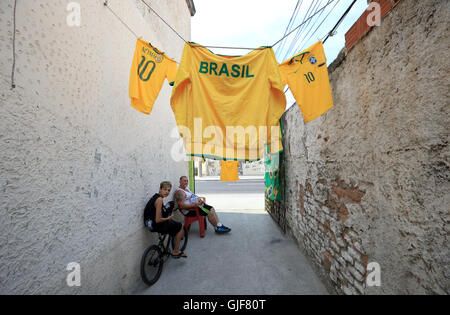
78	164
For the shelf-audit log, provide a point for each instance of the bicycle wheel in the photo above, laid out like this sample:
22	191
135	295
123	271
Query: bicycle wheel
151	265
184	240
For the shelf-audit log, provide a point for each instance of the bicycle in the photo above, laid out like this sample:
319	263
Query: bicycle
154	256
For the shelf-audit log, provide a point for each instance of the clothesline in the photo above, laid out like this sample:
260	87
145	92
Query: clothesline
106	4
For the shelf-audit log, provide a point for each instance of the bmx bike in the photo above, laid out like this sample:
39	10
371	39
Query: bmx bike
154	256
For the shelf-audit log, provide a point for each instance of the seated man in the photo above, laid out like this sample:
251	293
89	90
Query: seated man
158	218
188	201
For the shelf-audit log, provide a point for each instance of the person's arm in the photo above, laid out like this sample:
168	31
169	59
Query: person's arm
158	206
179	198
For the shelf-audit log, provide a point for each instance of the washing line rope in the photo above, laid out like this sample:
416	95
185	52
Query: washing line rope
244	48
164	20
114	13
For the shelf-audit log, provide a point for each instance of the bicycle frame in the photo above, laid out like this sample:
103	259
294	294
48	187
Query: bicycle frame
165	241
163	251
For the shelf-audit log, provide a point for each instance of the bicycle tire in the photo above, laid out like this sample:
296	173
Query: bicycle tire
151	265
184	240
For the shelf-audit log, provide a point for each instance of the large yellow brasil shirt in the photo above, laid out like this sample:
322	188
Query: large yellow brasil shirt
228	107
149	69
307	77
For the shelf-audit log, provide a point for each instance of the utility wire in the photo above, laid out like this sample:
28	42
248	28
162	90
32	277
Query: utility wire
315	31
300	29
218	46
301	34
302	24
293	17
13	85
302	42
106	4
286	35
331	33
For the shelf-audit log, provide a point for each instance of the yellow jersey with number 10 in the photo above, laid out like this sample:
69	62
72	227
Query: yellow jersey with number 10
307	77
149	69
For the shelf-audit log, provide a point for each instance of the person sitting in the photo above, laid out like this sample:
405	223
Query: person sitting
159	218
188	201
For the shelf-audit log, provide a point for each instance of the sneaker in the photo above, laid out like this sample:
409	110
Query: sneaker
223	229
226	227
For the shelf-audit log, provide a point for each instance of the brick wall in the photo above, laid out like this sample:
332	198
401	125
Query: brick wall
361	27
338	249
369	181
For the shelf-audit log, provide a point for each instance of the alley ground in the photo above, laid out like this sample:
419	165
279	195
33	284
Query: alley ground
255	258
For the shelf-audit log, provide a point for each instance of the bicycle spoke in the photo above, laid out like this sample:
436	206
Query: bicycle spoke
151	265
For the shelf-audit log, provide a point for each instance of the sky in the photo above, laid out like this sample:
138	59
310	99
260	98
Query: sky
255	23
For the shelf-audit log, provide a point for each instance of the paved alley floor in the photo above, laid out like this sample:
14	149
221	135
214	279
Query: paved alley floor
254	259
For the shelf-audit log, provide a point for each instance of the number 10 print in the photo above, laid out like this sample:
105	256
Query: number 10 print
310	77
141	70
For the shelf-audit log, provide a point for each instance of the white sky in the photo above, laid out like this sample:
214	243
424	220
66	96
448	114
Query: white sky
254	23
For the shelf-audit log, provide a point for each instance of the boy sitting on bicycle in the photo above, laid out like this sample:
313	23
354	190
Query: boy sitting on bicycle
159	218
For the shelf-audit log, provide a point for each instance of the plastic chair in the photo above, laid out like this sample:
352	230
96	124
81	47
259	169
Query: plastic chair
201	222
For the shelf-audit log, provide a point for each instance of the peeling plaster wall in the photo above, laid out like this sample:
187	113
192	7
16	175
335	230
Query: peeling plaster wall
370	180
78	164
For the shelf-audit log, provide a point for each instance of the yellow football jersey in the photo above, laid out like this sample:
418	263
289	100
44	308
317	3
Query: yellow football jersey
307	77
228	106
149	69
229	171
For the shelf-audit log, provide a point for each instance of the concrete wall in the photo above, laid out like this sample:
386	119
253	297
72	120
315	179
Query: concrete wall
370	180
78	164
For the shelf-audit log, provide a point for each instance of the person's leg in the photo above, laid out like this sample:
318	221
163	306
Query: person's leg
214	220
176	249
212	215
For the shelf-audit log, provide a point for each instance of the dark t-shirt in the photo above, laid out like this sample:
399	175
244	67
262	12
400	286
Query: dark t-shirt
150	209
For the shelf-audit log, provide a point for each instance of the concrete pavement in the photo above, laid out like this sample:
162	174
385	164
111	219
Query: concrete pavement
255	258
245	194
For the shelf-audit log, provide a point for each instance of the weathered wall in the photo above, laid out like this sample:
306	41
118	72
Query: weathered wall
370	180
78	164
